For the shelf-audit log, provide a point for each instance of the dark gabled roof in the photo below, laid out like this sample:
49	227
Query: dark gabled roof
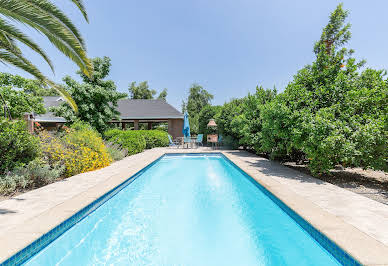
128	108
147	109
50	101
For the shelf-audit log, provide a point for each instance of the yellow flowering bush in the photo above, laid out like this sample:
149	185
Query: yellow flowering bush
80	149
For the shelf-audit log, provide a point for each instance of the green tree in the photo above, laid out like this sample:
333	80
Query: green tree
208	112
319	116
48	19
163	94
18	94
96	97
198	98
250	122
142	91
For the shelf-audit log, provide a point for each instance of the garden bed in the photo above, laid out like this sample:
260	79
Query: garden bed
369	183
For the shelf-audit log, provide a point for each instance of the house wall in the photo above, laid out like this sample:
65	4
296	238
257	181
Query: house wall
175	127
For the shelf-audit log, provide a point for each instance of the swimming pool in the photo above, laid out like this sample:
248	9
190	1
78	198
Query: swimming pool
191	210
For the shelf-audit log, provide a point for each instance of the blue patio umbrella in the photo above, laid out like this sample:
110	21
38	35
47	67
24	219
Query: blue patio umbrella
186	125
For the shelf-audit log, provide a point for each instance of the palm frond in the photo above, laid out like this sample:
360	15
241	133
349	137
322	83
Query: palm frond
63	92
55	12
81	7
46	18
12	32
26	12
19	61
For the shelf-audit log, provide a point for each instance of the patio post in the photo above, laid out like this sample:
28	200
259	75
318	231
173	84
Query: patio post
136	124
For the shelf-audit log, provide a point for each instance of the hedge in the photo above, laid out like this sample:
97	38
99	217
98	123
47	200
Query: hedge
333	112
131	140
136	141
155	138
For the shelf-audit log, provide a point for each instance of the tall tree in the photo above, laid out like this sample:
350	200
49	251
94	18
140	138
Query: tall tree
45	17
96	97
198	98
330	113
142	91
19	95
163	94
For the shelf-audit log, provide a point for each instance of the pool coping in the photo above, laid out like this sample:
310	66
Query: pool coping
356	243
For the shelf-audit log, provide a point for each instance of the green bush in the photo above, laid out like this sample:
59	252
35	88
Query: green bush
17	145
35	174
155	138
132	140
135	141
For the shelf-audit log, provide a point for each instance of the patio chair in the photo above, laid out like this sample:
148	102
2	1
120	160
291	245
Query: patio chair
220	140
199	139
186	140
172	143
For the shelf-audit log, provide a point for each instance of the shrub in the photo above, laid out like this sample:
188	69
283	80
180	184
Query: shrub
136	141
17	145
80	149
35	174
155	138
115	151
230	142
132	140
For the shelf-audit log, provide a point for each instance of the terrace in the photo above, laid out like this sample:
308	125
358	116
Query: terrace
355	223
98	168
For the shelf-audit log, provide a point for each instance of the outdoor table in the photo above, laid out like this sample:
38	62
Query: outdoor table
193	141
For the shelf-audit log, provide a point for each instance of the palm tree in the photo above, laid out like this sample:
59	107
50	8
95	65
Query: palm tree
48	19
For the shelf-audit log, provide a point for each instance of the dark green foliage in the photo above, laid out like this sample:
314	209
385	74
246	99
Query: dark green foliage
230	120
20	95
132	140
240	119
330	113
136	141
155	138
163	95
96	98
142	91
17	146
198	98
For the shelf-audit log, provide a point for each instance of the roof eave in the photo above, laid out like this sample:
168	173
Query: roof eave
152	117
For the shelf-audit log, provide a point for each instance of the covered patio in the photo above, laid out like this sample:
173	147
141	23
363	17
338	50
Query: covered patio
135	114
148	114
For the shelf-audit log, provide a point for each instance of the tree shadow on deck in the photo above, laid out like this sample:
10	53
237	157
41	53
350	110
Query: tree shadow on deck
6	211
371	184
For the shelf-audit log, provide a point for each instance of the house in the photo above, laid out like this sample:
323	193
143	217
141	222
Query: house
134	114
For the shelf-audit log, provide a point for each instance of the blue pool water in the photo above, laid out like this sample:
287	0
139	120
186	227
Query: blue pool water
187	210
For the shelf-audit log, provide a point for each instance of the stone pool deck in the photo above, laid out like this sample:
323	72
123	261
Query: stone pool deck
357	224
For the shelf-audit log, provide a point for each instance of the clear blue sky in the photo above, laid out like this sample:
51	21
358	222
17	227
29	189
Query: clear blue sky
227	46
